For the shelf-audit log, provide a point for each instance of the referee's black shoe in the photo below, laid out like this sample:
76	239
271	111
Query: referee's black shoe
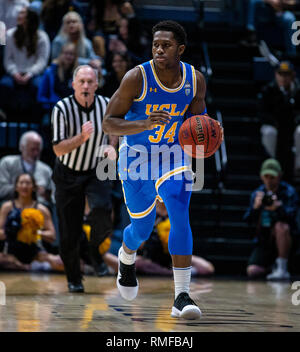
75	287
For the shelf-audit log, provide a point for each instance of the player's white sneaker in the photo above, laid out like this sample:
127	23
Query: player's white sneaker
127	282
184	307
279	274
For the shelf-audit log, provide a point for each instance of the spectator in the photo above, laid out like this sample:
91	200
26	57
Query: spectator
24	223
271	11
115	45
120	65
9	10
106	14
72	30
103	22
131	33
30	145
52	14
273	208
26	56
56	82
279	112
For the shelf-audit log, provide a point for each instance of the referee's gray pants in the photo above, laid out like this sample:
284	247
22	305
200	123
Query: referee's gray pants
72	188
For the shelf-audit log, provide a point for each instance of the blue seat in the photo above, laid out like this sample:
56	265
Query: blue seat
12	134
23	127
34	126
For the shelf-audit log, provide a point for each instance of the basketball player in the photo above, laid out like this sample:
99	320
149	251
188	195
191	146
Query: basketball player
154	98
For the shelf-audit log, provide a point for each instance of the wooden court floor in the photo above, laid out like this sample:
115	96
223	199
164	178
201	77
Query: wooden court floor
40	302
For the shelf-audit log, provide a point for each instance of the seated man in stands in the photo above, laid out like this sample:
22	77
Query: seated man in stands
273	209
30	145
279	112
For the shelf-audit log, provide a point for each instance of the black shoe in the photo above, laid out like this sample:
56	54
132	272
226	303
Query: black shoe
184	307
126	281
75	287
101	269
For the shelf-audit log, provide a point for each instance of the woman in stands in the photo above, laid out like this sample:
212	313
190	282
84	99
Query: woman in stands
56	82
24	224
26	56
72	30
120	65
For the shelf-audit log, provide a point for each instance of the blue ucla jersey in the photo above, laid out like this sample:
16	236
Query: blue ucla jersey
155	96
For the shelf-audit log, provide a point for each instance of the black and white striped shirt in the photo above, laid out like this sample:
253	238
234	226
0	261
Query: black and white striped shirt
67	118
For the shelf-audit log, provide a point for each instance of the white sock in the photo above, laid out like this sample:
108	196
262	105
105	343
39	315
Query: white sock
182	279
282	263
126	258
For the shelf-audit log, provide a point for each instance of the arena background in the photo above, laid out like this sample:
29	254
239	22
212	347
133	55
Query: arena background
235	74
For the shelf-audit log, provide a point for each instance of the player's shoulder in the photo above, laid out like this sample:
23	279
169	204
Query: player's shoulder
199	75
137	73
132	82
134	74
200	83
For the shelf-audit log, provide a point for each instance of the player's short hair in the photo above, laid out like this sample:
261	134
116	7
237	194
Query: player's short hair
174	27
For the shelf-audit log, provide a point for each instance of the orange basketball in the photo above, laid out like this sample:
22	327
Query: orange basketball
200	130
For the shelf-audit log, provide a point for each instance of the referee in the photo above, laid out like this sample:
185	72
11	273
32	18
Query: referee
77	135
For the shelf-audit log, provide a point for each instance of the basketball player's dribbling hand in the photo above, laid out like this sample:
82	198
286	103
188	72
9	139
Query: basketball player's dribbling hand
158	117
86	130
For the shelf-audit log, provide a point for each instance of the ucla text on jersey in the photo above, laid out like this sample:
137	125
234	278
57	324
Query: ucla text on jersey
155	96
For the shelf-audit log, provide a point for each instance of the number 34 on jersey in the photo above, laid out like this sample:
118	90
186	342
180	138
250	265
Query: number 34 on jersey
160	133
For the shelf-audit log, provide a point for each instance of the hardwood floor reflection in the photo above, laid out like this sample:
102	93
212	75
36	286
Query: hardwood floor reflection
40	302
